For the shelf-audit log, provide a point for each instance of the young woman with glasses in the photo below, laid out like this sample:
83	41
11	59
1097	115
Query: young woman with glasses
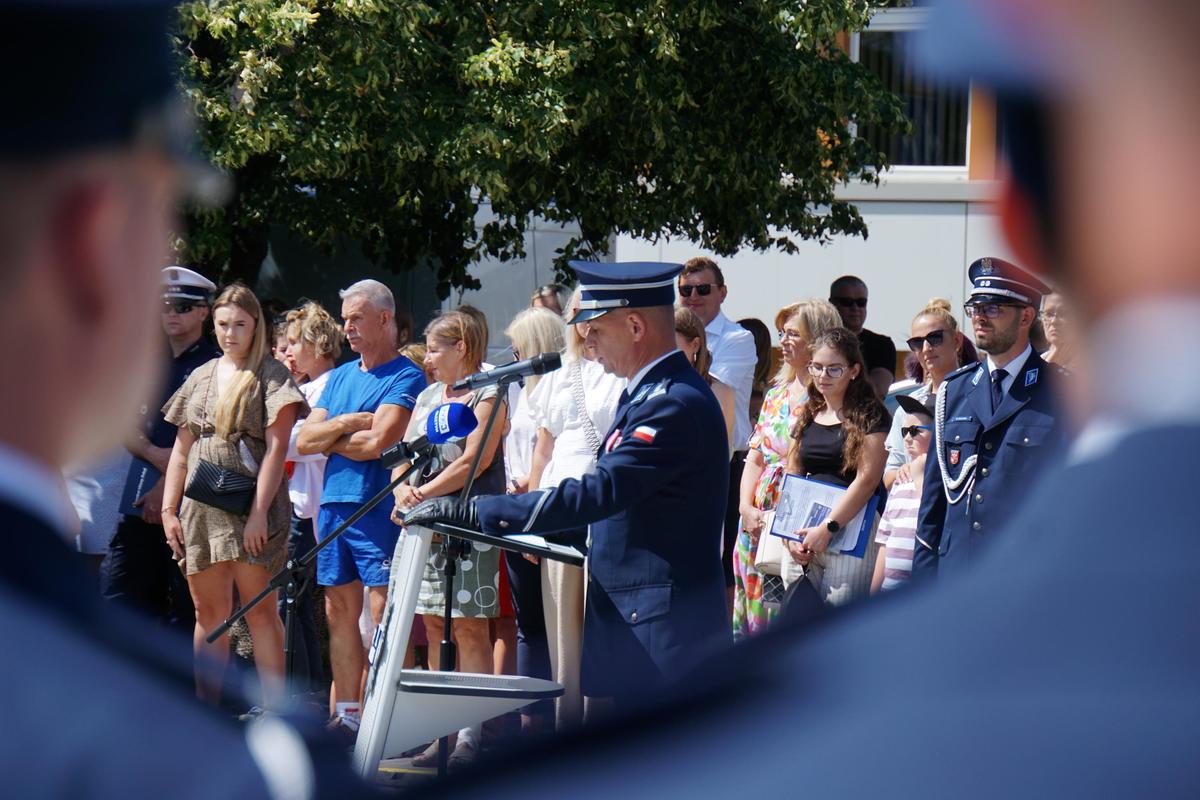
838	439
938	345
797	324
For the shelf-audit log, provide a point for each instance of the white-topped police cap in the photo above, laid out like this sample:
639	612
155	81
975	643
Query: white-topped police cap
80	75
181	283
994	280
624	284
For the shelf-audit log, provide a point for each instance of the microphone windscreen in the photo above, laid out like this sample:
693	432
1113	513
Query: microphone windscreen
547	362
450	421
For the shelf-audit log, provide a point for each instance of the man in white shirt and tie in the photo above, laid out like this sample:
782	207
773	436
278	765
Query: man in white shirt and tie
702	289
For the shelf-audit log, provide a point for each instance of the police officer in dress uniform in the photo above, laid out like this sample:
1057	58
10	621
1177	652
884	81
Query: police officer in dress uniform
656	501
138	570
997	424
93	156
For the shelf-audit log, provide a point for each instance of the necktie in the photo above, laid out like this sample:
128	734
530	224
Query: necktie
998	388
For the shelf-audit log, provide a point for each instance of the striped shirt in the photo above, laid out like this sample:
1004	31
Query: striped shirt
898	533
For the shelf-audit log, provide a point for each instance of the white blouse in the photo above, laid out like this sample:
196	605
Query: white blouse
521	437
555	409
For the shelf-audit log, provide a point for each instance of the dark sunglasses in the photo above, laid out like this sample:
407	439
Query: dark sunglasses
179	307
703	289
847	302
914	430
935	339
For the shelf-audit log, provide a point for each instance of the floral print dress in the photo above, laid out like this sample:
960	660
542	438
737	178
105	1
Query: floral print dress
771	439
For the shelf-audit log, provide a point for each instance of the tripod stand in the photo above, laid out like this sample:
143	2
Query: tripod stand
295	573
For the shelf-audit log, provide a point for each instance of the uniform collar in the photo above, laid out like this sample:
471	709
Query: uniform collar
34	488
1172	326
641	374
1013	367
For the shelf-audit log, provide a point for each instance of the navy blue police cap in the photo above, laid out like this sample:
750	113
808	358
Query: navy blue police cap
628	284
994	280
80	75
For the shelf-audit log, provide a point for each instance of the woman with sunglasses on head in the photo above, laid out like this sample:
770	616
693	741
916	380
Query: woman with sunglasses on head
897	535
838	439
937	344
797	324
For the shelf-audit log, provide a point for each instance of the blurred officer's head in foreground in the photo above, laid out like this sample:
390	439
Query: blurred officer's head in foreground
94	156
1098	114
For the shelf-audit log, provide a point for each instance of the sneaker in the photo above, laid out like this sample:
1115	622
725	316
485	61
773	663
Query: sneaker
343	730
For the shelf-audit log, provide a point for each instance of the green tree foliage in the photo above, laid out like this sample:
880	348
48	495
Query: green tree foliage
388	123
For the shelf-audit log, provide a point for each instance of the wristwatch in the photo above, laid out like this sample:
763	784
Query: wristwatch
832	525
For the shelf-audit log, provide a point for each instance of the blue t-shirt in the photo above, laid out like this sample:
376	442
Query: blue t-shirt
350	390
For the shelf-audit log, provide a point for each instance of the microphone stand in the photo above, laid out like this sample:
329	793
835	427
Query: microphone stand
453	548
295	572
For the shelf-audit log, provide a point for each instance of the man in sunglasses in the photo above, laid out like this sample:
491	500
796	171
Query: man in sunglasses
849	295
998	424
138	570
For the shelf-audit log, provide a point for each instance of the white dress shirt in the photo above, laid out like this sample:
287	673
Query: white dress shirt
733	361
36	489
1011	368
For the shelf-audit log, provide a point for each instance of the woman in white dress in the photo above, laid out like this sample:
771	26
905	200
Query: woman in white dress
574	408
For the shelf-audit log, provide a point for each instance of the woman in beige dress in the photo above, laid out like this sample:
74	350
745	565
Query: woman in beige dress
236	412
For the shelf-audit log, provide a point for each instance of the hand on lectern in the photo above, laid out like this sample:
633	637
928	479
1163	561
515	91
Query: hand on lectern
450	510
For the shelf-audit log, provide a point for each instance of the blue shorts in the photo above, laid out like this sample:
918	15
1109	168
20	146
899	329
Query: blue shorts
363	552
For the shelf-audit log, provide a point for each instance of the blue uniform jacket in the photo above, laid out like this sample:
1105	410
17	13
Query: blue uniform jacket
656	504
997	458
1066	666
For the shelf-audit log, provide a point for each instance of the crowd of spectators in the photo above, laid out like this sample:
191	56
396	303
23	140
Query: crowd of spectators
275	400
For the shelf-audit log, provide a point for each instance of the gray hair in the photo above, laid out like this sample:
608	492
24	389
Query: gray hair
378	295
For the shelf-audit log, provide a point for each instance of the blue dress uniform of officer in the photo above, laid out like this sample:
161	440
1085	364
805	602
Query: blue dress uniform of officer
994	433
656	501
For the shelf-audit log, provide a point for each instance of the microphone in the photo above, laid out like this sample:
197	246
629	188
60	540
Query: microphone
445	423
538	365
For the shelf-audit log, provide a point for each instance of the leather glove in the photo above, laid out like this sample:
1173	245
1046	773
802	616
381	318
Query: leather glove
450	510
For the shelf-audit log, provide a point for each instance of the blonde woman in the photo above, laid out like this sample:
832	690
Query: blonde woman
575	407
533	331
938	344
235	412
692	339
455	344
798	324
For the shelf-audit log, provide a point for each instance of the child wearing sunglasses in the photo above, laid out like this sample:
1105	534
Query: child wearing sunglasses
897	533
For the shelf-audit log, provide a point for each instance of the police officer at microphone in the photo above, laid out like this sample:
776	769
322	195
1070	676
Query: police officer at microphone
656	501
997	424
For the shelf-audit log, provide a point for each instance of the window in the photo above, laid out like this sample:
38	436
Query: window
939	109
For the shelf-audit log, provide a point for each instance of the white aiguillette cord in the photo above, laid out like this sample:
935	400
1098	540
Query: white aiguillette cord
967	474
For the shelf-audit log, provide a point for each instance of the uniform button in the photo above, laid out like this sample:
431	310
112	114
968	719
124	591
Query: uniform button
957	438
984	472
978	498
633	617
503	523
977	526
1025	440
987	446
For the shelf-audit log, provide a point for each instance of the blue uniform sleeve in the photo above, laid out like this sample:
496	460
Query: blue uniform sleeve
656	444
404	389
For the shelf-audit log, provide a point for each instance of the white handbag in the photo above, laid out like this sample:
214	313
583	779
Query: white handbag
770	553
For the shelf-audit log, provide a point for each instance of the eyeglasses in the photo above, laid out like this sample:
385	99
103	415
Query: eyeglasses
702	289
179	307
934	338
834	371
914	430
1054	316
516	354
790	336
847	302
989	310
